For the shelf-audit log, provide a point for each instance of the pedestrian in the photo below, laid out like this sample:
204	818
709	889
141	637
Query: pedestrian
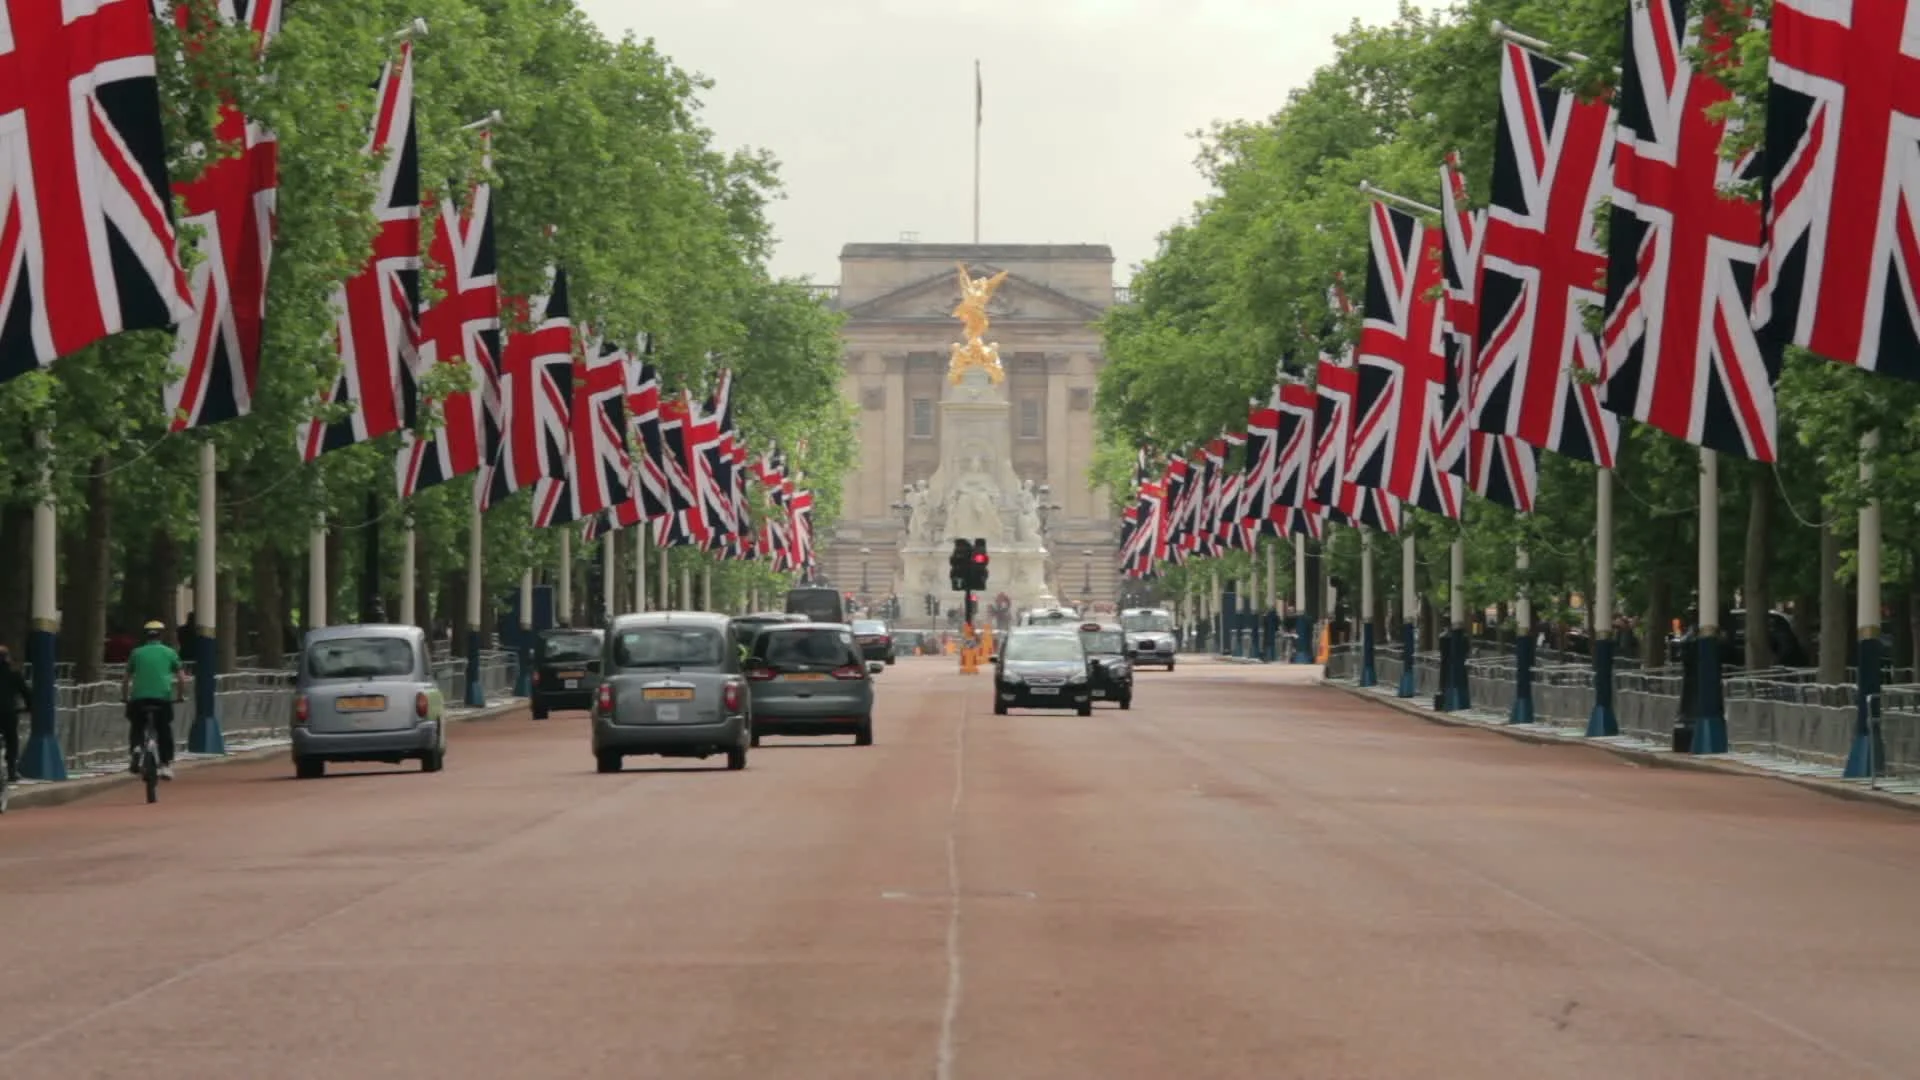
13	687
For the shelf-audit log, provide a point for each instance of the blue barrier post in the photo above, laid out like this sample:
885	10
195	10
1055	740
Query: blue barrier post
1367	675
1602	722
1408	643
1457	697
1710	719
205	736
1521	711
1865	754
42	758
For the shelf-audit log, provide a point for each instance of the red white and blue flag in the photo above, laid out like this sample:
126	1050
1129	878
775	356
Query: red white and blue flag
87	243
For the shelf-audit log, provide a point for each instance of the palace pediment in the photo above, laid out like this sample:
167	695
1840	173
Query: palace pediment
935	297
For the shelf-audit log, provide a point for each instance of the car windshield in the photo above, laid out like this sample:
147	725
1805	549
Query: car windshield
361	658
1102	641
807	648
869	626
1147	623
667	646
1044	647
571	646
1050	618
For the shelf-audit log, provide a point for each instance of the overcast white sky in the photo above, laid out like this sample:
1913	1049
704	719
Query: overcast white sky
868	104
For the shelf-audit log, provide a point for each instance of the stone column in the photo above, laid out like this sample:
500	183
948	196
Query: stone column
1078	435
1054	431
895	429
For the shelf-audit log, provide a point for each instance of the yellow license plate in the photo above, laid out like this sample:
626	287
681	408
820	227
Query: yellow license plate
807	676
667	693
573	674
358	704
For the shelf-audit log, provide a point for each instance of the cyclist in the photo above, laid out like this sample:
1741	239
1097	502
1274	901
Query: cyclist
154	676
13	688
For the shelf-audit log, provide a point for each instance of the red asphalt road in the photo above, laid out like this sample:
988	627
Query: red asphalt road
1246	876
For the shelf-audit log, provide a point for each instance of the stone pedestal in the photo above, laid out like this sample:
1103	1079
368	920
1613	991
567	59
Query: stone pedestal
975	494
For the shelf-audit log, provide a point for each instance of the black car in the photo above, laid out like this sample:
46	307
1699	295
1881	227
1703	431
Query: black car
876	641
1042	668
748	627
566	669
1107	666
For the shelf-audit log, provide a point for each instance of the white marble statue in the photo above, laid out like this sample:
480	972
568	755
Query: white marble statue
974	513
916	499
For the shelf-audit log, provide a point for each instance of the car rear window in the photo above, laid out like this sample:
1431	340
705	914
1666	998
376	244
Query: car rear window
869	626
1147	624
1044	647
361	658
781	648
1102	641
667	646
570	646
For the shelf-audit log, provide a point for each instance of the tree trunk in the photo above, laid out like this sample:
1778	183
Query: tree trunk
162	576
1755	589
226	622
1653	642
453	606
16	576
1836	631
84	635
270	615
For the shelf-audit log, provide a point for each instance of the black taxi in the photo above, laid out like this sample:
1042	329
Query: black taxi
1107	665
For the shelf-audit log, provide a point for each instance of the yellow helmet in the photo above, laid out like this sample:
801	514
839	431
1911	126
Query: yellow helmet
155	626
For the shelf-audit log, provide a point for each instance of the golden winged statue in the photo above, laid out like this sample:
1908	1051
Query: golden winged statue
975	293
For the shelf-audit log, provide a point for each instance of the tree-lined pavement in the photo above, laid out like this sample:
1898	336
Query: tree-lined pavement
1245	876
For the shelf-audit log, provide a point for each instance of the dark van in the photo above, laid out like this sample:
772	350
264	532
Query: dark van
817	603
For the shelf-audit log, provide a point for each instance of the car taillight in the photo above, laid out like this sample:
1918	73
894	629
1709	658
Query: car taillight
730	697
300	709
536	678
606	698
420	706
760	674
851	671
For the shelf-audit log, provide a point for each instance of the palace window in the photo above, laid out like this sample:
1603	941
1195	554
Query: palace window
922	418
1029	418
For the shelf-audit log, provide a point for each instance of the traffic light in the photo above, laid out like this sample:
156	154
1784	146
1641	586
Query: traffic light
960	566
977	577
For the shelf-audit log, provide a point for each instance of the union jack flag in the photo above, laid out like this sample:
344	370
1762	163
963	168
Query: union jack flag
1345	502
1540	266
685	468
536	389
87	244
1256	489
602	474
1399	431
378	310
1294	512
1681	352
216	352
1840	270
1499	468
463	328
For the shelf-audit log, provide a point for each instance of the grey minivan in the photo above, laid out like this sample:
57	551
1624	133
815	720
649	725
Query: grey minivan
811	679
670	685
367	693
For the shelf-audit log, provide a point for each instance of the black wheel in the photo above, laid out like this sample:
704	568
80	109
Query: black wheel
755	741
863	735
999	707
150	776
736	758
1126	702
889	661
433	761
607	763
1085	709
306	768
539	709
1169	665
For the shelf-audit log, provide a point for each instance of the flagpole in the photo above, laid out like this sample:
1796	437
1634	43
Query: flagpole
476	591
978	102
1367	677
1409	613
1521	710
1367	188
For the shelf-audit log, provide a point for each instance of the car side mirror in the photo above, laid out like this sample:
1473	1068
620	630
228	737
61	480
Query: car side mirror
875	667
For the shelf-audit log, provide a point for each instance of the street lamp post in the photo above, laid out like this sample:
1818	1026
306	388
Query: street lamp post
865	552
1086	579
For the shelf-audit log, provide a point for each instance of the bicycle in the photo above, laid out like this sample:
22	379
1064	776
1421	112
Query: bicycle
149	754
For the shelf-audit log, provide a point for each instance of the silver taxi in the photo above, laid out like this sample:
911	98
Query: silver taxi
367	693
671	685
